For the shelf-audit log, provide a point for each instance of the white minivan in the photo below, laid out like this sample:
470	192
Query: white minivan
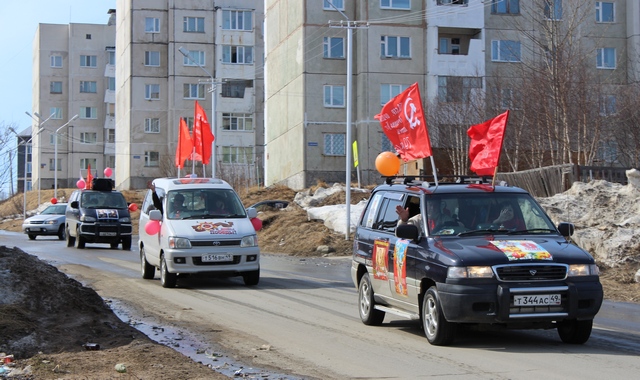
197	225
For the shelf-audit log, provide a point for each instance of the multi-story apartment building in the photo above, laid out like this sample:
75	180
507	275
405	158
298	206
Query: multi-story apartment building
73	74
171	54
24	162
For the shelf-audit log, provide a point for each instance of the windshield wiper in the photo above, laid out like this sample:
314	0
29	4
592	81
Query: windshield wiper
531	231
480	232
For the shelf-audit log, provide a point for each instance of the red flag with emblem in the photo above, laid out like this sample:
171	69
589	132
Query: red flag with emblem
202	135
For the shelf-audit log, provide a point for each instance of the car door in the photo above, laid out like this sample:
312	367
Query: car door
151	242
72	214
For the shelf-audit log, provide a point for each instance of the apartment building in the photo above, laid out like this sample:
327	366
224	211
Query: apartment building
73	74
171	54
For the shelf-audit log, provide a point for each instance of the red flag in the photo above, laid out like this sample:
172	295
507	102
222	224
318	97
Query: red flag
202	136
89	177
402	120
486	144
185	145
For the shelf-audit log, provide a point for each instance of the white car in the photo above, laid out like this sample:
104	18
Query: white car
48	222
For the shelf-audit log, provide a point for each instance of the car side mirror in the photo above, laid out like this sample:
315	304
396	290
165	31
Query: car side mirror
252	213
408	231
566	229
74	204
155	215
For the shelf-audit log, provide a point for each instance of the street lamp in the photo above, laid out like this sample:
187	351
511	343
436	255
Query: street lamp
185	52
36	116
24	186
55	157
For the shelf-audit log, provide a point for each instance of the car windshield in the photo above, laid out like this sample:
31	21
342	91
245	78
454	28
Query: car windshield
54	210
103	200
203	204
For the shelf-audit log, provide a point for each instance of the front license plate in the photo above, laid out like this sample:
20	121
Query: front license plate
538	300
216	258
108	233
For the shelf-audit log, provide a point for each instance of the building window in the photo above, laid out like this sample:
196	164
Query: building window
52	139
195	57
152	91
87	36
237	54
111	58
608	105
152	125
152	58
395	4
389	91
111	83
334	144
55	87
56	61
111	135
509	7
151	159
88	86
449	46
333	47
111	109
189	121
505	51
151	25
237	20
605	11
85	162
193	24
88	137
553	9
29	186
193	91
56	112
509	99
237	121
395	47
88	61
88	113
237	154
457	89
453	2
336	3
333	96
606	58
235	88
53	167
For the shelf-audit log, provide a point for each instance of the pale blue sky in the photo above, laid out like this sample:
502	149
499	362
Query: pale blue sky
19	20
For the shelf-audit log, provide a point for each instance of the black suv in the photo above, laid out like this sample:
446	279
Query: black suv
98	217
469	254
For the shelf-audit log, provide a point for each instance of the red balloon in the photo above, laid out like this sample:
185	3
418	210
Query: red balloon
152	228
54	201
108	172
133	207
257	224
81	184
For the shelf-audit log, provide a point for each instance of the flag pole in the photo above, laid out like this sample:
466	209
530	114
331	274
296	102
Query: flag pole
193	160
433	167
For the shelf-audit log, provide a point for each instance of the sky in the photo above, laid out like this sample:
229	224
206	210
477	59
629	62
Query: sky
18	23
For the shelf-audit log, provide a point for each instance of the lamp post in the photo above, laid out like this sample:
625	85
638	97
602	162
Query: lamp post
55	157
185	52
24	186
36	116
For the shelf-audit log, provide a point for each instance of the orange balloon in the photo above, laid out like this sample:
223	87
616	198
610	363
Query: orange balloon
387	164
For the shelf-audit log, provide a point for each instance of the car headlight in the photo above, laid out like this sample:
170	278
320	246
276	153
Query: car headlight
51	222
126	219
249	241
85	218
470	272
179	243
583	270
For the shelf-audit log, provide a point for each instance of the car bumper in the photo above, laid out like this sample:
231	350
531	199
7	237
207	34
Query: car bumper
494	303
104	232
41	229
244	259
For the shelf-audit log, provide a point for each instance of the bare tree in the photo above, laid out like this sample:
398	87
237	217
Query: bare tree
8	153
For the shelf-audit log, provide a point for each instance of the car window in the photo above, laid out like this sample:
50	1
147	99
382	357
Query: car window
54	210
103	200
387	218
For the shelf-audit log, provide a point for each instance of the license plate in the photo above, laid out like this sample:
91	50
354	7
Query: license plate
216	258
108	233
537	300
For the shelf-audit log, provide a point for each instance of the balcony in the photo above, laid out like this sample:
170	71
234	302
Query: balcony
471	64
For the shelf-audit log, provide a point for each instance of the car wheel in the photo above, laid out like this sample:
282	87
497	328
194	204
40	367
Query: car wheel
438	330
126	243
168	280
114	245
32	237
79	241
574	331
366	303
251	278
71	241
148	271
62	233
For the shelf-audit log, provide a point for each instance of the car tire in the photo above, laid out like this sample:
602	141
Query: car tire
251	278
114	245
126	243
167	280
574	331
71	241
32	236
147	270
366	303
79	244
62	235
437	329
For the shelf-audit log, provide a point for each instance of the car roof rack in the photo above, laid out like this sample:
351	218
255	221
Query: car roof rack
429	180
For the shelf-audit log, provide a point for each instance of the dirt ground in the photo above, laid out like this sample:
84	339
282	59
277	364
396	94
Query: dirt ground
46	318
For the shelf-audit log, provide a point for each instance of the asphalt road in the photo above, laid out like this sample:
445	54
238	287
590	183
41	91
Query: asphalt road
305	311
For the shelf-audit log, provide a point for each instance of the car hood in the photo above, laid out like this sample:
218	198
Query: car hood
203	229
44	218
495	250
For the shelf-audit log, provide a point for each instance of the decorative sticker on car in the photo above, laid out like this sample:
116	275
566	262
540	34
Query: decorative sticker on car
220	228
380	260
522	250
400	267
107	214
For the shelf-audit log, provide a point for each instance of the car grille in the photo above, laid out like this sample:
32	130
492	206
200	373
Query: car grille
92	228
532	272
198	261
214	243
36	222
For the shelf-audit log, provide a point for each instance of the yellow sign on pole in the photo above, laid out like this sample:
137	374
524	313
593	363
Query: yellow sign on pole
355	154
